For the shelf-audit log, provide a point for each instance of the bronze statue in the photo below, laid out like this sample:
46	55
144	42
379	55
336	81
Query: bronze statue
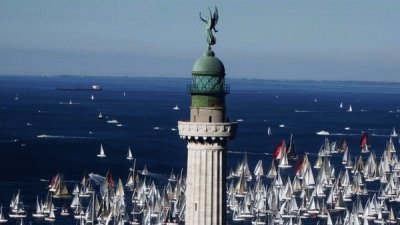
210	26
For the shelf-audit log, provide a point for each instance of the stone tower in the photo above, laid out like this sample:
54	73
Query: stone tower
207	133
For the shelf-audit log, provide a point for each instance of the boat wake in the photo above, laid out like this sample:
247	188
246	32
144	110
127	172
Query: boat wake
343	134
249	153
60	136
304	111
380	135
8	141
69	103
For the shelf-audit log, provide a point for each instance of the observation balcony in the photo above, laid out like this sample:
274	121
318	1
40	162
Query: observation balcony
213	131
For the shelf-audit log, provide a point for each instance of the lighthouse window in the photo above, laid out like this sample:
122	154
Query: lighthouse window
195	206
210	119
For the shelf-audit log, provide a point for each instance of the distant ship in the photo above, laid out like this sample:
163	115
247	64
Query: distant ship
91	88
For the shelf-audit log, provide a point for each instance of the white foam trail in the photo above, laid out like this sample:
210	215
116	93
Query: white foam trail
6	141
344	134
69	103
380	135
303	111
60	136
249	153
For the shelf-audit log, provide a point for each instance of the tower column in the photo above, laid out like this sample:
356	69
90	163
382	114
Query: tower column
205	192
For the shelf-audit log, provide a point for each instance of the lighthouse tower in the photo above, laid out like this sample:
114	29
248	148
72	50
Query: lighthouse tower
207	133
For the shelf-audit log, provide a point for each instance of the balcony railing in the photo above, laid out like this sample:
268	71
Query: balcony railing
195	130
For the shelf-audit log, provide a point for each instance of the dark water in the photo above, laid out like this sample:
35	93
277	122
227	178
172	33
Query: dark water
73	133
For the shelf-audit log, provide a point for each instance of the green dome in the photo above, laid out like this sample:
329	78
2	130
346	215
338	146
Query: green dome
208	64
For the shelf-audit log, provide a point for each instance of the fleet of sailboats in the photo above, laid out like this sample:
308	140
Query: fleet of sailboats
315	189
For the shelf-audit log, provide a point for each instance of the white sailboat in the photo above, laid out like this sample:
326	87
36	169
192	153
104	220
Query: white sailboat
341	105
2	218
51	217
101	153
269	132
39	213
350	109
16	98
176	107
129	155
92	97
100	116
394	133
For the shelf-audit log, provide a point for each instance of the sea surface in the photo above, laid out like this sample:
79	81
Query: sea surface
42	134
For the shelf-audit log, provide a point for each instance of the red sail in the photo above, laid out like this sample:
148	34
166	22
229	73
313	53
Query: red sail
109	180
279	150
364	140
299	165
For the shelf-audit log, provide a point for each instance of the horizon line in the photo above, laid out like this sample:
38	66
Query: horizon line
179	77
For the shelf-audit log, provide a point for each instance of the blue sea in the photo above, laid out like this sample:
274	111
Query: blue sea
41	134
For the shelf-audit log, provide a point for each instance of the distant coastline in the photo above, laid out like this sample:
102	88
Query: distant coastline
319	82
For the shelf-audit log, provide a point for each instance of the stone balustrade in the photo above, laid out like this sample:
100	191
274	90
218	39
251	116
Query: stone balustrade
188	130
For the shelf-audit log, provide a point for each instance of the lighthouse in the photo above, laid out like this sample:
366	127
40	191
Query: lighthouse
207	133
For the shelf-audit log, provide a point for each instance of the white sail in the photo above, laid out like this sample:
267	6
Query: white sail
350	109
394	133
129	154
2	218
272	171
101	154
259	170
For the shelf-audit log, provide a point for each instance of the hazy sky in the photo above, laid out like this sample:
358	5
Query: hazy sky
321	40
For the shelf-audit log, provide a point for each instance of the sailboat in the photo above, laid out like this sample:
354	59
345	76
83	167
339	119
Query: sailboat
291	151
16	98
92	97
350	109
39	213
176	107
17	207
364	143
51	216
100	116
341	105
2	218
129	155
64	211
145	172
61	190
394	133
101	153
269	132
